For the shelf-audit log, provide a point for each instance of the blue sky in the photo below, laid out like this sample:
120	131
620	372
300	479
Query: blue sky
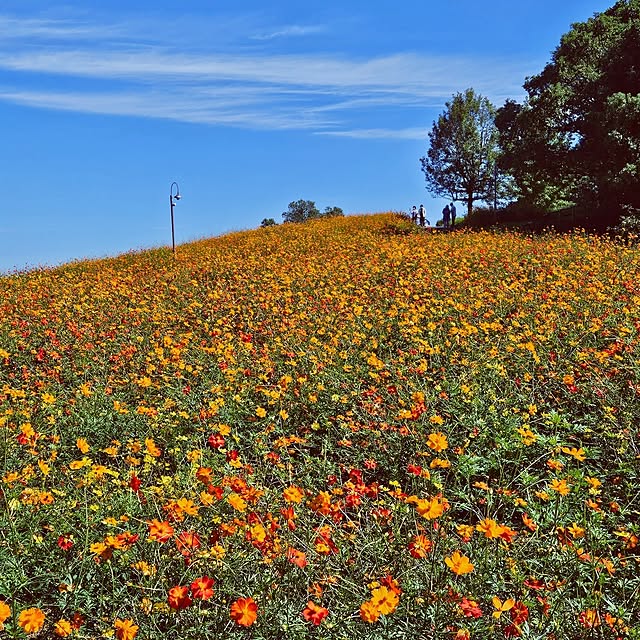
247	105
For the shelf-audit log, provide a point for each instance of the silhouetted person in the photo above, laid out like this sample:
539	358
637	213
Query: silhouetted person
446	213
421	215
414	214
452	210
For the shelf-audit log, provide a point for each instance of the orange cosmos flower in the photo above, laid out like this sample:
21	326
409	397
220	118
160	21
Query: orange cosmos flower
420	546
187	541
296	557
528	522
152	448
63	628
578	454
293	494
437	441
159	531
204	474
315	613
459	564
432	508
244	611
201	588
560	486
589	619
290	515
508	534
5	612
125	629
385	600
31	620
369	612
465	531
178	597
490	528
321	503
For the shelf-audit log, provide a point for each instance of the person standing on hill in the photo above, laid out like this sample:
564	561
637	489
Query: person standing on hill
421	215
446	212
452	209
414	214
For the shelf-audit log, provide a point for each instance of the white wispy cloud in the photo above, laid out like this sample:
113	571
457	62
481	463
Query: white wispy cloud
233	111
125	75
293	30
12	28
410	133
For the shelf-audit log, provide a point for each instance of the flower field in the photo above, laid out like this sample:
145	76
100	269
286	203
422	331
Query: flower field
348	428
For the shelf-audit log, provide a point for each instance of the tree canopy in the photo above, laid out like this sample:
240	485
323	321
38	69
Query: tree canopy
463	149
303	210
300	211
577	136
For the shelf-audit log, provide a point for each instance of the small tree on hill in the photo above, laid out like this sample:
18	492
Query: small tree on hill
331	212
268	222
300	211
463	150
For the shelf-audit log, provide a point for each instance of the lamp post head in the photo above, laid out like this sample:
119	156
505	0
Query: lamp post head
177	196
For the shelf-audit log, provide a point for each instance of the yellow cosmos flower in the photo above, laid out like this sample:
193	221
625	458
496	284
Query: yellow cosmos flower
500	607
237	502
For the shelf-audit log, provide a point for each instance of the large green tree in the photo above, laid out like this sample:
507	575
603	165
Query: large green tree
577	135
463	147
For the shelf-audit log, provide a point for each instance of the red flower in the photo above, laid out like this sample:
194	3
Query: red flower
512	631
179	597
215	441
534	583
65	542
202	588
135	483
187	541
314	613
470	608
519	612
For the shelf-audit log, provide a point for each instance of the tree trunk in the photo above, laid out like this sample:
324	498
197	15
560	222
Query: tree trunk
469	204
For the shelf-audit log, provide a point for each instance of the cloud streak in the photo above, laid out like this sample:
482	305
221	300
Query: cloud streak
290	31
323	92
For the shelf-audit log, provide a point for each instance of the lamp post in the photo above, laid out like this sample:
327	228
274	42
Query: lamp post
173	197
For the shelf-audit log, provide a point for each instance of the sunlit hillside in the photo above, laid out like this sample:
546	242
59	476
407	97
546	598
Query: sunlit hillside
348	428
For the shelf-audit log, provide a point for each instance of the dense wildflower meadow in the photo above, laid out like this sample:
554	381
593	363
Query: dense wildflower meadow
349	428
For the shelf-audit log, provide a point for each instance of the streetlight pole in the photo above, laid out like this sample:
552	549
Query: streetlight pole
173	197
